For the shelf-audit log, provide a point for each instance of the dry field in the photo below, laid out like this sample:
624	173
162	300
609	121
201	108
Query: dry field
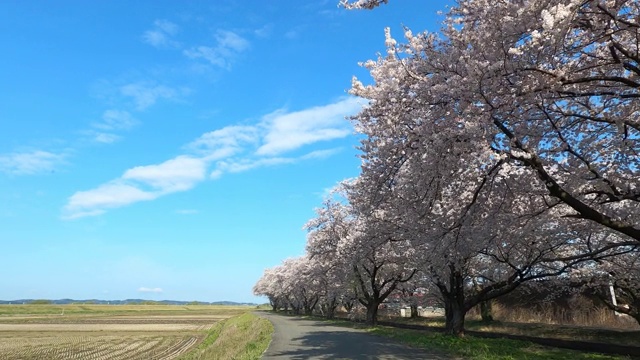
105	332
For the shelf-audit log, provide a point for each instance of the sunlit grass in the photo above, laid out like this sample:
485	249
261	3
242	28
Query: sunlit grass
475	348
553	331
243	337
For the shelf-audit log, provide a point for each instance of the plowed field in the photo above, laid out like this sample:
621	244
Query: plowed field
100	333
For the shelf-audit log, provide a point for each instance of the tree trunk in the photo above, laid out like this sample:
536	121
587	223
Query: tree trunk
454	304
486	311
348	305
414	311
329	311
372	313
296	309
308	311
330	308
454	318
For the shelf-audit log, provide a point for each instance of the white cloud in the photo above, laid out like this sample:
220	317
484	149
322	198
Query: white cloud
141	183
232	149
187	211
178	174
264	32
292	34
289	131
106	138
155	38
231	41
321	154
112	121
161	34
224	142
116	120
228	46
208	53
110	195
166	26
145	95
150	290
242	165
30	162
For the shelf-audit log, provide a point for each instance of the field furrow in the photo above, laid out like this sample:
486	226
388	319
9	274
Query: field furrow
112	333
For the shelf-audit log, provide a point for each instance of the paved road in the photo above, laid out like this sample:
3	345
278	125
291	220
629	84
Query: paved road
297	338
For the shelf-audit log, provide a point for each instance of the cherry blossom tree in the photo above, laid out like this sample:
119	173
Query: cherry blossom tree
269	285
504	149
436	180
375	265
573	67
506	142
466	222
477	233
416	293
551	84
362	4
325	232
616	281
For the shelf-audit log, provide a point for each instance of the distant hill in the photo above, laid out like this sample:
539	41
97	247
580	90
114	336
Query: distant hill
121	302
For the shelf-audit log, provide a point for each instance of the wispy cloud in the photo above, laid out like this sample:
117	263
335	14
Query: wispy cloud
289	131
112	121
30	162
225	142
232	149
187	211
321	154
178	174
236	165
231	41
228	45
110	195
292	34
145	94
116	120
105	138
141	183
150	290
264	32
224	49
161	36
242	165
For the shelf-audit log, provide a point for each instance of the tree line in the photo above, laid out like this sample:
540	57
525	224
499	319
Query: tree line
501	150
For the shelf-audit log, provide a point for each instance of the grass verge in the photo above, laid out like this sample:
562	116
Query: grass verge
473	348
551	331
243	337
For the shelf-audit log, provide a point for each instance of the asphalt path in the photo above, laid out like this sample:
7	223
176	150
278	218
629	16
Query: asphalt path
298	338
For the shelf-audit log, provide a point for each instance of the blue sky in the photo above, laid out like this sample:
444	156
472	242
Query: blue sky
174	149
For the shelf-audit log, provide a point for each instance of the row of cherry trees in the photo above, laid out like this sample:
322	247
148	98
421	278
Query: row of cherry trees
504	149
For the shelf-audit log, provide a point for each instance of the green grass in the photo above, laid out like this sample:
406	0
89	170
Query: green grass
563	332
243	337
264	307
473	348
552	331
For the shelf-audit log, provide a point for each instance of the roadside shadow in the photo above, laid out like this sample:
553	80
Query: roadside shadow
326	323
351	345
